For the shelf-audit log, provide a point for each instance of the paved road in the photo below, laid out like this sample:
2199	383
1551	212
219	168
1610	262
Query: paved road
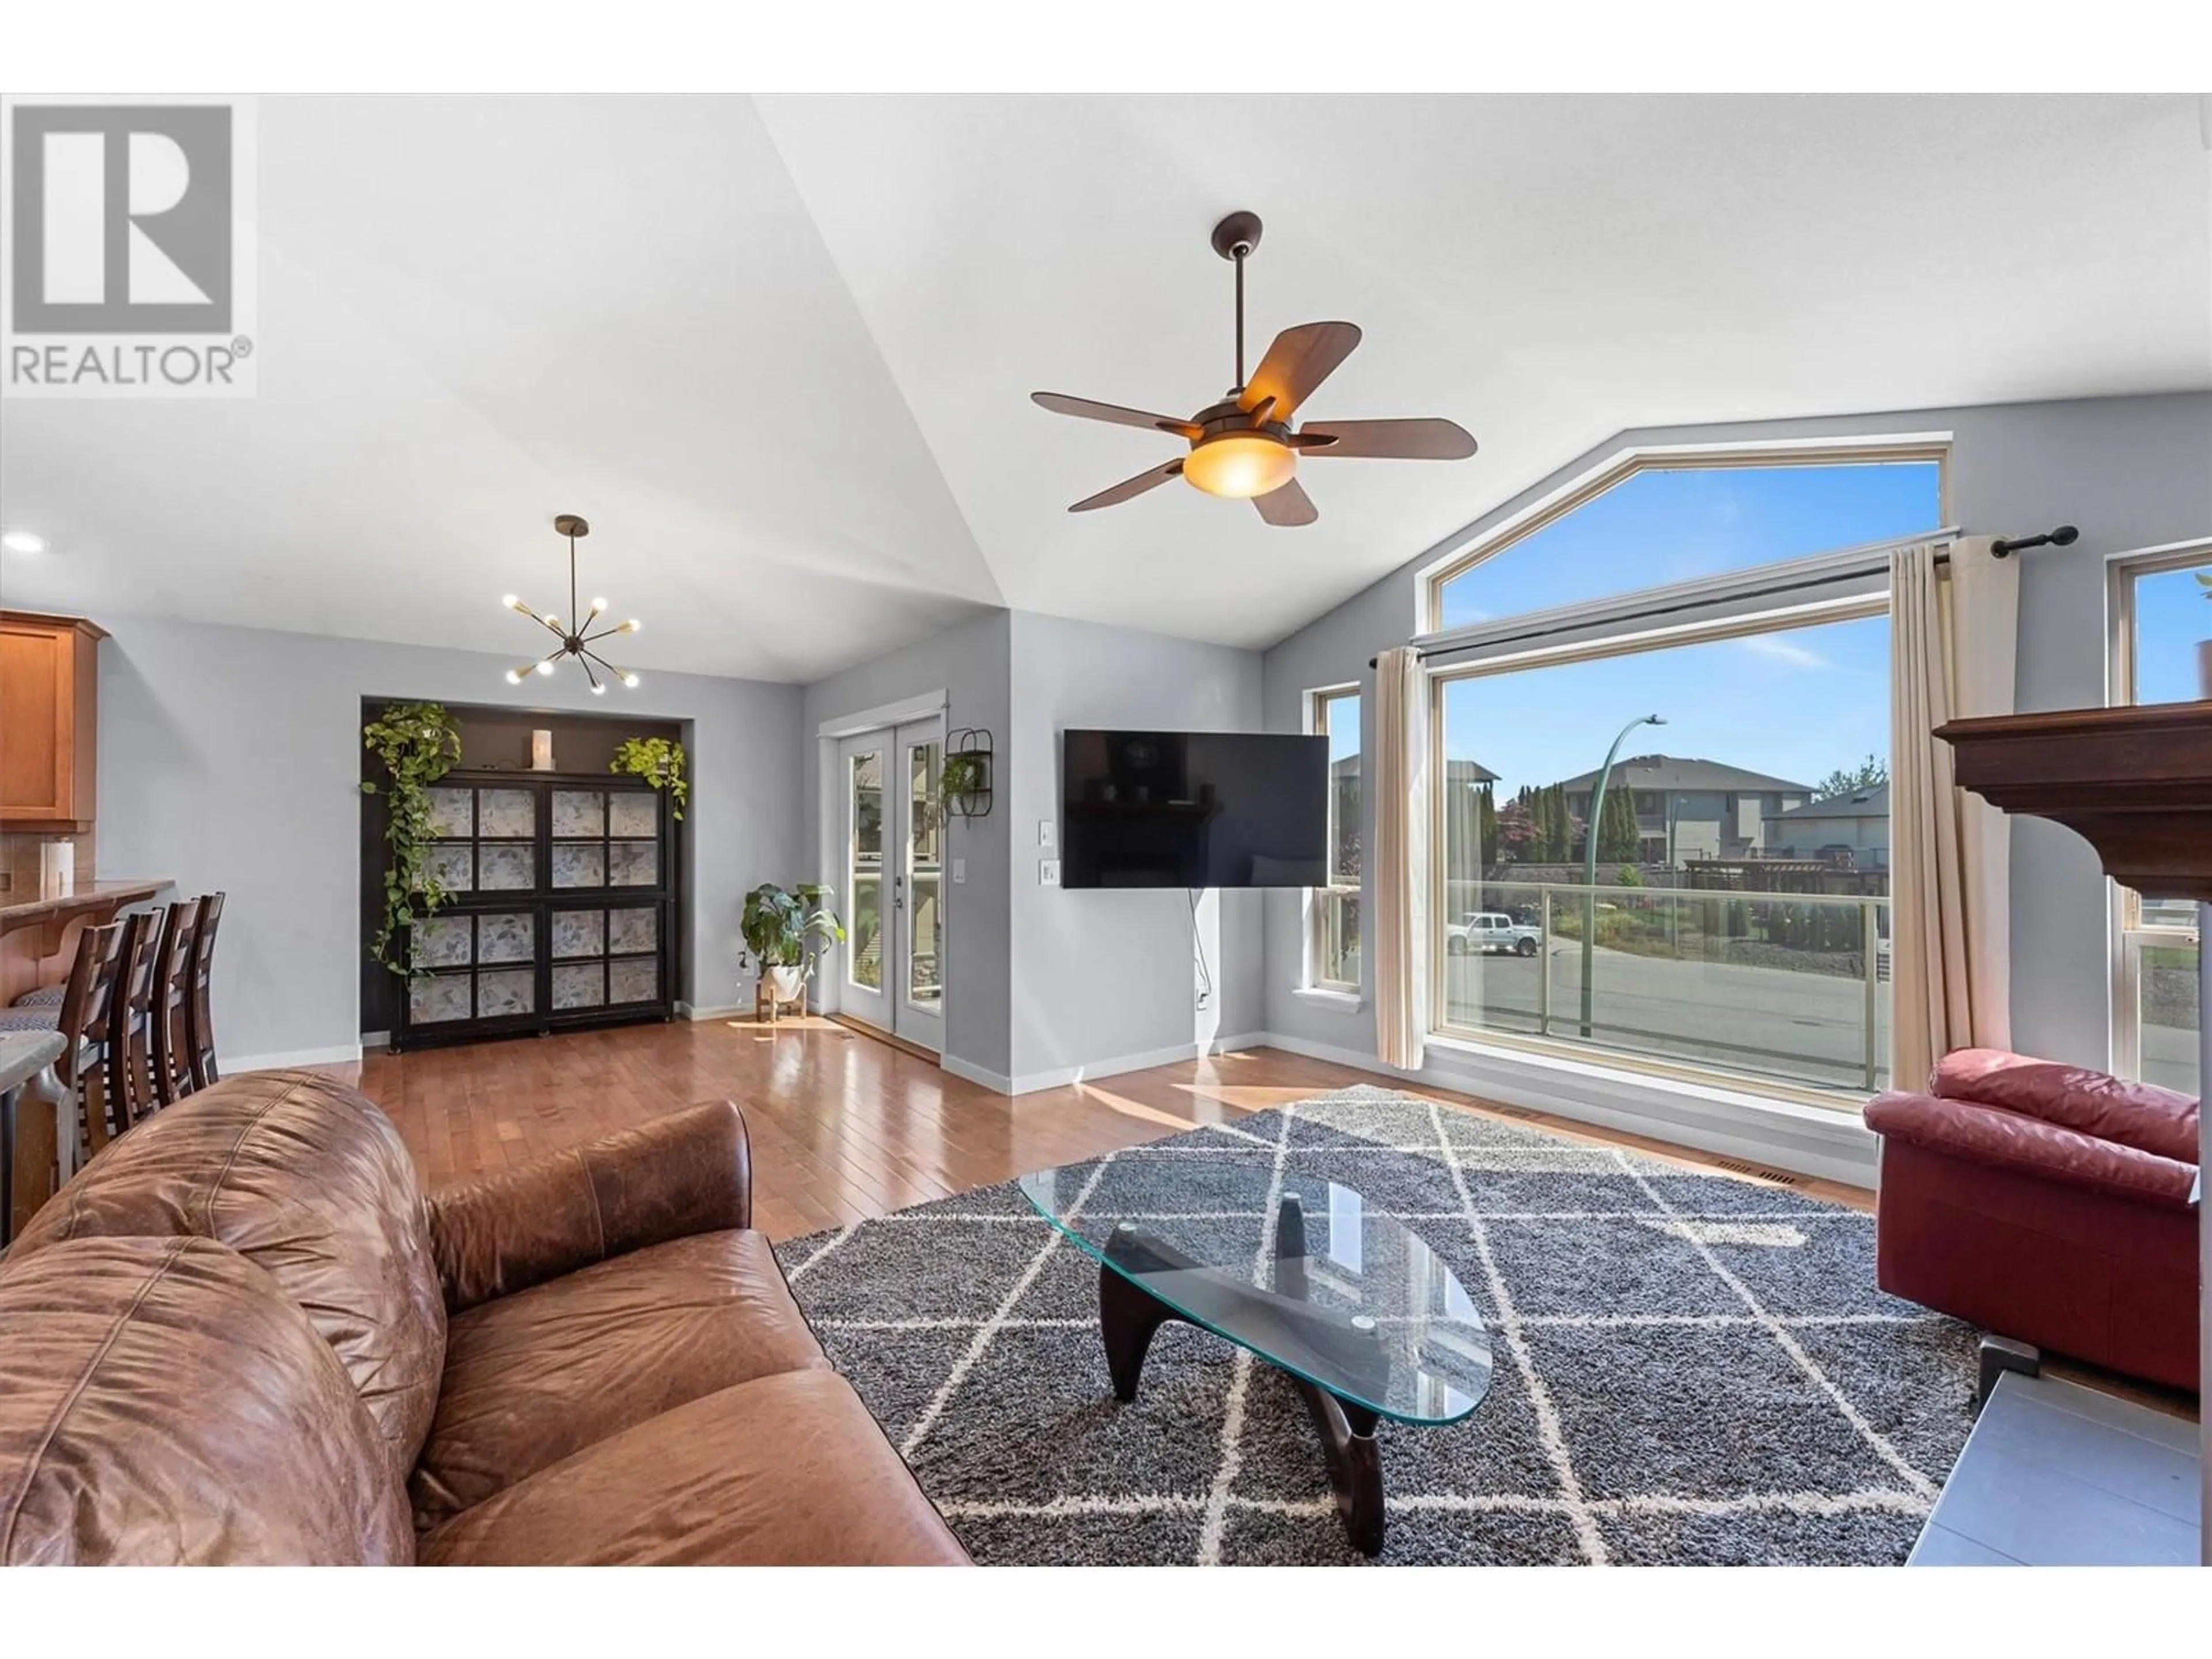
1813	1024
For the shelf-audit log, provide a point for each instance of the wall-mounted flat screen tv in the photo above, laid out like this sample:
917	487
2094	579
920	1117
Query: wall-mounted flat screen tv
1193	809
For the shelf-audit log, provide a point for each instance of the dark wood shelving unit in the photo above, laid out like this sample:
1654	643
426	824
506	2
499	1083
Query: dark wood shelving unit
561	910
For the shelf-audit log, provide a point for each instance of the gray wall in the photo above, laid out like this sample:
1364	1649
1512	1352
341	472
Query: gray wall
2132	472
969	665
1106	976
229	758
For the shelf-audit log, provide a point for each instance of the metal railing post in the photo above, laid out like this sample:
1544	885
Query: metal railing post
1869	956
1544	961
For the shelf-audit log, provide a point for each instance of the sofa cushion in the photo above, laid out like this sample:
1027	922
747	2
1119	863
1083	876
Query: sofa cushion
2138	1114
309	1180
785	1471
162	1402
547	1371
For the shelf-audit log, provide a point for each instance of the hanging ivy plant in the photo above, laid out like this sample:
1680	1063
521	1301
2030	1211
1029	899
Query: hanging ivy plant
418	744
659	761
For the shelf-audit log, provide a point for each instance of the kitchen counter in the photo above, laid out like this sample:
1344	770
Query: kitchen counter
38	936
109	895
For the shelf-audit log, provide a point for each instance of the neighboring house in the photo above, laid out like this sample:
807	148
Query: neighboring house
1695	809
1858	824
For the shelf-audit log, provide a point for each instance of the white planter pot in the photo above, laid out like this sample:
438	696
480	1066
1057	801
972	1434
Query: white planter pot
786	983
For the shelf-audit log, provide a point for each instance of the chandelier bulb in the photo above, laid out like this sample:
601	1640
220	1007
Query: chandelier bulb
597	606
632	626
514	677
513	601
598	688
545	667
630	680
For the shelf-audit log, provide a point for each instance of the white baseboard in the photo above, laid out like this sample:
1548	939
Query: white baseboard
1809	1140
1028	1083
685	1011
998	1082
337	1054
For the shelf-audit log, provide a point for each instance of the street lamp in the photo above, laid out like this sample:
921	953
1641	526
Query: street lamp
1589	858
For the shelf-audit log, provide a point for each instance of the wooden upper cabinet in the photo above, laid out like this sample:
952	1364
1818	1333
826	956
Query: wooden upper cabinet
49	720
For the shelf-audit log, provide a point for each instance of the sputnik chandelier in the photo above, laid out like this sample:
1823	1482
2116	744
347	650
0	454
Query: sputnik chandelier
576	636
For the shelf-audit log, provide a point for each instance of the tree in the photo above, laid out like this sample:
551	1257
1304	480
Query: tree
1519	835
1559	826
1617	837
1869	774
1485	823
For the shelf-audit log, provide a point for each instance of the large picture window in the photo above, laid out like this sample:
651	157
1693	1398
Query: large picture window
2159	611
1332	927
1660	727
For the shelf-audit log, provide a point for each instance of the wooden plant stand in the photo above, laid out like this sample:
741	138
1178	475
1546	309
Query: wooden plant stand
768	1007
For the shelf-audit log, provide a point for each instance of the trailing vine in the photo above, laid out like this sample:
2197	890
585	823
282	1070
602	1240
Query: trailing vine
659	761
418	744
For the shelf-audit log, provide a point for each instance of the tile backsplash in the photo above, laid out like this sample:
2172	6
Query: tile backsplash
18	861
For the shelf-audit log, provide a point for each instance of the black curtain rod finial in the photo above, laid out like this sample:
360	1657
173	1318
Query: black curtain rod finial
2065	536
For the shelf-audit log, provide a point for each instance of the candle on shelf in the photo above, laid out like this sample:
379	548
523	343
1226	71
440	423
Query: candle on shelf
57	869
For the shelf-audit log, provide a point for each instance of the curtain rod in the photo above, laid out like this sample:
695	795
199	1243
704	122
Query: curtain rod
2002	548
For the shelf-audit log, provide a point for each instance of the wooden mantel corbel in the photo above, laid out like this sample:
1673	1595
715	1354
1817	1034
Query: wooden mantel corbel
2135	783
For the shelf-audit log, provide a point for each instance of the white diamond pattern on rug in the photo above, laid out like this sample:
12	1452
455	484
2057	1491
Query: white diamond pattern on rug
1692	1368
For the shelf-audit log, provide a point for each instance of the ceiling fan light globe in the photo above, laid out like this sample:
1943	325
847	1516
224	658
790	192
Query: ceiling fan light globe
1240	465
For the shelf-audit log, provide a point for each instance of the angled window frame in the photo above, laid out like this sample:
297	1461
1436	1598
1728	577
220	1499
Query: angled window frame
1481	547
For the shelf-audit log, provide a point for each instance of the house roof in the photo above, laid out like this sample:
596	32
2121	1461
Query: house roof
1866	804
1667	772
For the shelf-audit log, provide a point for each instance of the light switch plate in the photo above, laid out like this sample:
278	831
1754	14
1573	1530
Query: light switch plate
959	872
1047	872
1048	834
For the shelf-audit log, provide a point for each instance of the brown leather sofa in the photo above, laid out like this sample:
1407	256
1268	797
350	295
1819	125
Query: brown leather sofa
242	1334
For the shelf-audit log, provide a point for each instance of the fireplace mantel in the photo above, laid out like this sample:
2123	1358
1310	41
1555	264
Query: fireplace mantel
2135	783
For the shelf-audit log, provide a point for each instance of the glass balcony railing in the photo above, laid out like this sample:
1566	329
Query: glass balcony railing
1779	986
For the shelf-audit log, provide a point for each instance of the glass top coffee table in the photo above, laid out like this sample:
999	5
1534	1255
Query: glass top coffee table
1364	1316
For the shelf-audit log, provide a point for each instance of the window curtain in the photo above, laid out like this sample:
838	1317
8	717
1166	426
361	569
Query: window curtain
1402	858
1954	636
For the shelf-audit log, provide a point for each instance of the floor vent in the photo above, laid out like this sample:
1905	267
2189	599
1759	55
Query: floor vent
1758	1172
1519	1112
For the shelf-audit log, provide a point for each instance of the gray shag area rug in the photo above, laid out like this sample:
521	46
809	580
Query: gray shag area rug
1691	1369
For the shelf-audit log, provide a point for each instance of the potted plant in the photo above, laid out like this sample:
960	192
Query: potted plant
966	775
659	761
418	743
785	932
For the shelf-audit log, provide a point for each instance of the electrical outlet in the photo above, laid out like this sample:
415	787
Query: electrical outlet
1047	872
1048	834
1203	999
959	872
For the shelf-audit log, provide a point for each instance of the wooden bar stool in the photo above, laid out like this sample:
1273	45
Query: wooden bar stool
199	1021
173	997
84	1069
130	1019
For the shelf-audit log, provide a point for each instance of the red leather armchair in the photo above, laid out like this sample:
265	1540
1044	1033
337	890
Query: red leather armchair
2047	1203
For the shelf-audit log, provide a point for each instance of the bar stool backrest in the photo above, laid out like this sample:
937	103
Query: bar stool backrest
131	1020
172	991
199	1019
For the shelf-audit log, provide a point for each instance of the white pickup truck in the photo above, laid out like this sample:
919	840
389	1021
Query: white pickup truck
1487	932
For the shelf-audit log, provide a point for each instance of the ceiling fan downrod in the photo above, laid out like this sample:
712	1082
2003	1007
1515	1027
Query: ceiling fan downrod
1234	239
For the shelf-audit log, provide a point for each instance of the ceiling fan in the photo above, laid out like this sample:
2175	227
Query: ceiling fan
1244	448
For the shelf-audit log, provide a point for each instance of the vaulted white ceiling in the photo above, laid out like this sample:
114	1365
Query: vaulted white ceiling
780	354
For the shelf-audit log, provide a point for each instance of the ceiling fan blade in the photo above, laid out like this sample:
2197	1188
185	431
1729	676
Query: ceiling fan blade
1084	408
1287	504
1129	488
1300	360
1433	440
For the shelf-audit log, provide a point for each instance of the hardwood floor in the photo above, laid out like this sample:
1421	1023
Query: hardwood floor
843	1126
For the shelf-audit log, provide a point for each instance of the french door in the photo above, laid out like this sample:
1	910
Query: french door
891	891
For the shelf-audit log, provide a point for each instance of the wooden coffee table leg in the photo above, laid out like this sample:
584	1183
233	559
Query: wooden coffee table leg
1128	1316
1355	1463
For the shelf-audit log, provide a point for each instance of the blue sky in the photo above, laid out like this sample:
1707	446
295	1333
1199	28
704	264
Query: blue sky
1798	705
2171	614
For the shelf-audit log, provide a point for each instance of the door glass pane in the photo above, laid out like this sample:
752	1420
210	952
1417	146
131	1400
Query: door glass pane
453	867
579	812
506	938
636	980
508	813
633	813
634	930
925	908
580	985
510	991
507	867
434	998
440	942
865	811
449	812
578	932
633	864
580	866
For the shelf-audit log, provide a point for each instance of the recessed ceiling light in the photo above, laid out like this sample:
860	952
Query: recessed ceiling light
22	541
